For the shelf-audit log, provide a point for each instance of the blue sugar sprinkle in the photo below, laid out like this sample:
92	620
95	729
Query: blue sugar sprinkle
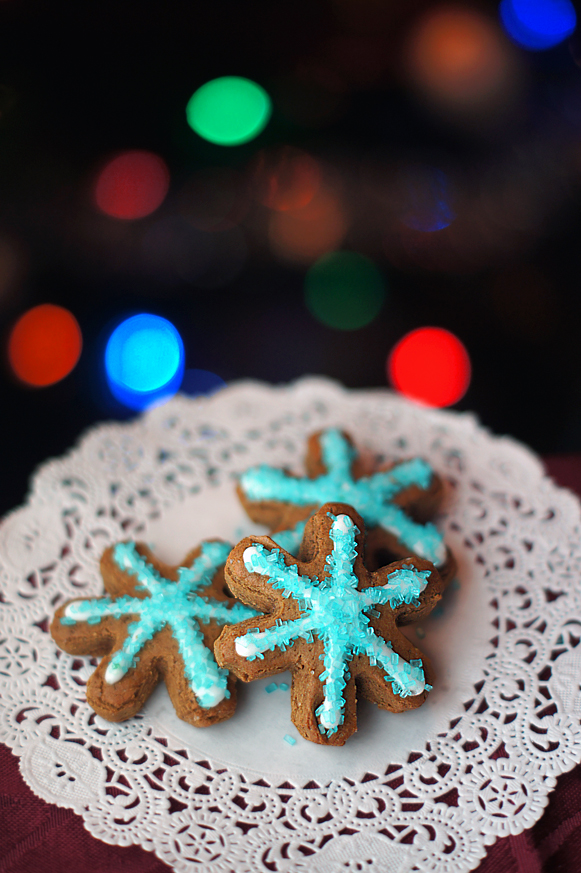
290	740
284	686
272	687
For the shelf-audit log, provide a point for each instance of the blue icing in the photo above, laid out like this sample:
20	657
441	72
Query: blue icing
371	496
335	611
403	586
290	540
168	603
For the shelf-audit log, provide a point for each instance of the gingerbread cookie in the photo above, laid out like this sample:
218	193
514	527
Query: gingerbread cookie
331	622
158	622
396	502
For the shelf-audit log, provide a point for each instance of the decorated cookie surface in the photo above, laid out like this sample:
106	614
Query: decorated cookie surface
157	622
395	503
331	622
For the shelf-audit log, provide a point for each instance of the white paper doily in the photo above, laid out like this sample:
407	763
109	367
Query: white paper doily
425	790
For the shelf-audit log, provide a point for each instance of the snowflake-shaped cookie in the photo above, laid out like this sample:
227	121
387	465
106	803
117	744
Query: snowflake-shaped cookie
331	622
395	503
159	621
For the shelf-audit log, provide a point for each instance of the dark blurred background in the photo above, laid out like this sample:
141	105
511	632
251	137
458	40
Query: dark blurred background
416	135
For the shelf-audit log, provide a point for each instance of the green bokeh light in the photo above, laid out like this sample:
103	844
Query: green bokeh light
344	290
229	111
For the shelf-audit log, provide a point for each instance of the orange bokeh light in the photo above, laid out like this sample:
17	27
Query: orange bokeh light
44	345
303	235
430	365
459	56
132	185
286	179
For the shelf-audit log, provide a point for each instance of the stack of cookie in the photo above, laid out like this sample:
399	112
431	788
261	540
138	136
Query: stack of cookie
317	597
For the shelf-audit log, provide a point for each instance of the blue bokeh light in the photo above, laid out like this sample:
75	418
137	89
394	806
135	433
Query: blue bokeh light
196	382
538	24
144	361
428	202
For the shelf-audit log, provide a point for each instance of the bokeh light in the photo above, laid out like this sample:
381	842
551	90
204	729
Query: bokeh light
430	365
196	382
144	361
132	185
303	235
229	111
428	202
459	57
44	345
538	24
344	290
286	178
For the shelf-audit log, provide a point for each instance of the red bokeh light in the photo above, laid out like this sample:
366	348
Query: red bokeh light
430	365
132	185
285	179
45	344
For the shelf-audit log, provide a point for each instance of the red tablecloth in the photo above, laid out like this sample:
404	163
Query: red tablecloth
36	837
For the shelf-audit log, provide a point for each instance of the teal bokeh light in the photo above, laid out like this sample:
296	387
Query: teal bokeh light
144	361
229	111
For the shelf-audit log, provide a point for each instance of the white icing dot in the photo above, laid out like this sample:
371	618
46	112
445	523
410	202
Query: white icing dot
330	717
247	557
441	554
114	673
245	647
343	524
417	687
211	696
76	611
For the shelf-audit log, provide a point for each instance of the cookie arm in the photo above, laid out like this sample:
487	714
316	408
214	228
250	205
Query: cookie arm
270	663
406	613
81	638
307	696
332	448
372	685
371	679
123	699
